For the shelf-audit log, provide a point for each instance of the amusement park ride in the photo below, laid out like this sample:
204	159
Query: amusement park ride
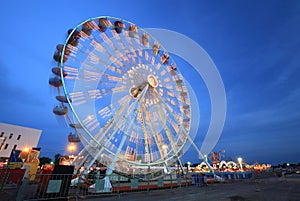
124	96
216	157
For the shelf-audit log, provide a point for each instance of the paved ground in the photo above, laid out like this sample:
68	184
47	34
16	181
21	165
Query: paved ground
275	189
8	194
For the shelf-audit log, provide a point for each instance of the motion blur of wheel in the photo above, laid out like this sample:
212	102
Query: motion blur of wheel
122	89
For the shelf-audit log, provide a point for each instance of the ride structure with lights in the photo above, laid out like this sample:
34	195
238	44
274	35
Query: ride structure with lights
124	95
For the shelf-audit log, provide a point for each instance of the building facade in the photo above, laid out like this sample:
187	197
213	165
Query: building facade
14	137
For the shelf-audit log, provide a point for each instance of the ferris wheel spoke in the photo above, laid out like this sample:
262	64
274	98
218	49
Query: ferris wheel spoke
139	100
152	127
95	58
102	131
117	61
123	61
175	128
181	138
111	166
127	48
130	109
72	73
166	105
151	151
104	90
105	143
138	53
167	131
145	43
77	97
169	88
177	154
122	51
81	158
113	121
177	120
183	108
146	145
171	98
157	142
173	114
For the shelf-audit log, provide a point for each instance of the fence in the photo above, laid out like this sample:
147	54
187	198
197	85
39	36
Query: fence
65	186
10	178
49	186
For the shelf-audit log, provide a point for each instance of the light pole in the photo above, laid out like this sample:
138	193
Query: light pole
188	166
240	160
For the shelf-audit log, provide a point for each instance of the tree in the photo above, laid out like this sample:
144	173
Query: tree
44	160
57	159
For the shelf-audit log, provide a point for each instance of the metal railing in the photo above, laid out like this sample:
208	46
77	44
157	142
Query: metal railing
54	186
10	178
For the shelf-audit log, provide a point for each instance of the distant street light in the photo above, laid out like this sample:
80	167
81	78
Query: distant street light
188	166
71	148
24	154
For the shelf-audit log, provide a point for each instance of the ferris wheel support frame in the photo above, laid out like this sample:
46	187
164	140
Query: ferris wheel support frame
110	168
172	143
201	156
90	147
142	95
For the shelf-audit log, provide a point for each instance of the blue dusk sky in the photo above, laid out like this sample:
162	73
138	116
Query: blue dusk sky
254	44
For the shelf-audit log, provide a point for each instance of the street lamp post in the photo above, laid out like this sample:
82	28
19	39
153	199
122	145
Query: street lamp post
240	160
188	166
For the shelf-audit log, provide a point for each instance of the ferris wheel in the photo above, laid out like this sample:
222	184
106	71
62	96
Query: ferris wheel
124	95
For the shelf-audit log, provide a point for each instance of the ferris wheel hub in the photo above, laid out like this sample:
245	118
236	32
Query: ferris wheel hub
135	91
152	80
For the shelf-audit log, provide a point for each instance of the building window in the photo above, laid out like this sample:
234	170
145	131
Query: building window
2	133
19	136
15	146
6	145
10	136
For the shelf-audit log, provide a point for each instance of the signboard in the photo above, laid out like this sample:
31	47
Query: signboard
99	185
54	186
179	181
14	156
160	182
134	183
